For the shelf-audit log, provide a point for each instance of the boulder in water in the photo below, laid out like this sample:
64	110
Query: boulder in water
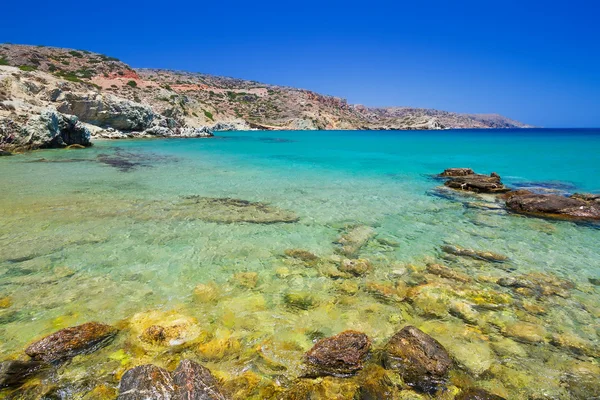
340	355
576	207
69	342
421	360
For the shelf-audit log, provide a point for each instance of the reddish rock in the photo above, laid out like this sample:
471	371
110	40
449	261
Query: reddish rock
421	360
340	355
146	382
69	342
195	382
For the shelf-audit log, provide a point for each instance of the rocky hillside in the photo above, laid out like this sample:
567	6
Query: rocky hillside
41	87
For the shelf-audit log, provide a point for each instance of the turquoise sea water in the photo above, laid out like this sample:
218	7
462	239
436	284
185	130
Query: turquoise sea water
105	233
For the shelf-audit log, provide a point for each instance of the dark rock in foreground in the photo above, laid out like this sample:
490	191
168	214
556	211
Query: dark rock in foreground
195	382
146	382
190	381
421	360
577	207
14	373
477	394
69	342
340	355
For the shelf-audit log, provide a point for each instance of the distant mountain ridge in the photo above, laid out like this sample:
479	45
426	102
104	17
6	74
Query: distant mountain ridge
80	82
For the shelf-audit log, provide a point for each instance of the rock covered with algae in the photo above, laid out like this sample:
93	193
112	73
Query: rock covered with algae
68	342
340	355
354	239
421	360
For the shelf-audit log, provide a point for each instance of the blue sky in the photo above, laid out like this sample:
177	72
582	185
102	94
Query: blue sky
535	61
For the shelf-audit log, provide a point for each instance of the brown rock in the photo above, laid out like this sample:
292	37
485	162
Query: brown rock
462	180
477	394
69	342
146	382
554	206
421	360
340	355
154	334
13	373
445	272
302	255
457	172
476	254
195	382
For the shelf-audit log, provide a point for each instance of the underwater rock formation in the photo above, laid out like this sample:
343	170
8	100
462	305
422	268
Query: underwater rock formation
340	355
227	210
69	342
476	254
421	360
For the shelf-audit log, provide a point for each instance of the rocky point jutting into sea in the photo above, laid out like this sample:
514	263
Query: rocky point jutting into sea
51	97
284	265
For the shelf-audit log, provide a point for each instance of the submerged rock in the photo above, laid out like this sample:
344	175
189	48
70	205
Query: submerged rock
466	179
526	332
576	207
302	255
421	360
445	272
69	342
13	373
477	394
300	300
228	210
146	382
194	382
340	355
476	254
354	239
357	267
247	280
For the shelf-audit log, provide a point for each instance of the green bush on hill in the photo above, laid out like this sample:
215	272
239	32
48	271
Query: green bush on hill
27	68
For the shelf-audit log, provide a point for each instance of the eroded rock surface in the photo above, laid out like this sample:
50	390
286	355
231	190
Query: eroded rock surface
146	382
69	342
339	355
577	207
421	360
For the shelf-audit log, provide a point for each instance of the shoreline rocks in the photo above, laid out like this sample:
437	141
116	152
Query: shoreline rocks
69	342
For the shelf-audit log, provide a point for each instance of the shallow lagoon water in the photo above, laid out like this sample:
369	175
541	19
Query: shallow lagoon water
105	233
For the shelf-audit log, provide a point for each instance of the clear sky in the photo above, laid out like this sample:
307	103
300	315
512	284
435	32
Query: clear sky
535	61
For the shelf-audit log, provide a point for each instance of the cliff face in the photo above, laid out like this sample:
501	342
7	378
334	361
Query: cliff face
114	100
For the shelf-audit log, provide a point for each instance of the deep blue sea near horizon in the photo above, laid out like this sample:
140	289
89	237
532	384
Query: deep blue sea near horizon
143	232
